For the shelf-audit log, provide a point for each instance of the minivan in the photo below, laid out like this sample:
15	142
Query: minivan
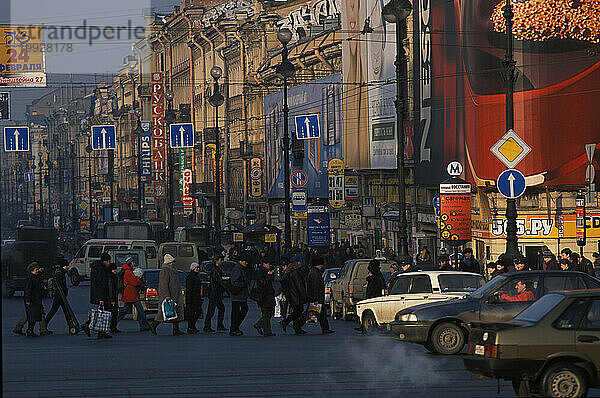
80	266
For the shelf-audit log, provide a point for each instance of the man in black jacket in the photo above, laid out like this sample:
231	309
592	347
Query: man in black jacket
215	297
60	282
193	298
582	264
294	289
315	291
264	284
468	263
99	293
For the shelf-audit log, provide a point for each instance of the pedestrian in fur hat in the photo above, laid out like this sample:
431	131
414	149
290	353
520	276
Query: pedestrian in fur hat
32	297
169	288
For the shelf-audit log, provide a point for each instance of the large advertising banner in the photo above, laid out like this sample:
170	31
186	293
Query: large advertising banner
369	75
459	89
323	97
22	56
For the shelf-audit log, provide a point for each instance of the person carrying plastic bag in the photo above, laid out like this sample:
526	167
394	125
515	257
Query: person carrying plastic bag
169	295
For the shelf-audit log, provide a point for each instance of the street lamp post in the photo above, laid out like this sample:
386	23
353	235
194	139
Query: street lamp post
49	169
396	11
512	249
170	118
216	100
286	70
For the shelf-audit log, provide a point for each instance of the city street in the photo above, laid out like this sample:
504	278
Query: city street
139	364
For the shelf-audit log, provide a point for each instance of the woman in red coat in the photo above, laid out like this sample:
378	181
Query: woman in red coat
131	297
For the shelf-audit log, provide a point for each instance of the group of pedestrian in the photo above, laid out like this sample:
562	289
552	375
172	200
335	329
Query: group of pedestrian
567	261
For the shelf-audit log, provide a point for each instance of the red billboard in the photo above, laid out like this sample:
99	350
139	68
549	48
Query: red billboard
460	112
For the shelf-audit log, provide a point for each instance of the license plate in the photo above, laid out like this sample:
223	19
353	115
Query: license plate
479	350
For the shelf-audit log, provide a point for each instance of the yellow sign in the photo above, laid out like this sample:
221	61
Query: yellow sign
300	215
22	56
270	238
540	227
510	149
336	183
238	237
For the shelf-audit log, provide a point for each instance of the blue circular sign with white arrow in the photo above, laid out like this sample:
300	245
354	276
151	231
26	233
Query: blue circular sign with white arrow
511	183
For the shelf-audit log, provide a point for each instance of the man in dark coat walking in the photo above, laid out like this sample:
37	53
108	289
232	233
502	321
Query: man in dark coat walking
375	280
215	297
193	298
468	263
240	280
32	297
294	289
60	282
315	291
99	291
266	303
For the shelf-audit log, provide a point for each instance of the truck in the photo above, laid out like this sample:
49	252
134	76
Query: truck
32	244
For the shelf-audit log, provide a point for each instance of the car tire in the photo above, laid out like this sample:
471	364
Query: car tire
564	380
75	278
521	388
369	323
447	339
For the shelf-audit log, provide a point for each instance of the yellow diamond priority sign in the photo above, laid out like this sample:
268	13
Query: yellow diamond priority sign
510	149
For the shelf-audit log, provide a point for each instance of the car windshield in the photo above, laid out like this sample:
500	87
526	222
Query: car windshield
491	285
536	311
460	283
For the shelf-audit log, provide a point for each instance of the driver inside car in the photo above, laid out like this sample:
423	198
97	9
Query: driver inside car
522	293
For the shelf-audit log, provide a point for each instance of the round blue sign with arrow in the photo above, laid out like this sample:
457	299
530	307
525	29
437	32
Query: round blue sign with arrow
511	183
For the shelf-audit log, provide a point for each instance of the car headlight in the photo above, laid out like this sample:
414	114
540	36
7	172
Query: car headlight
408	318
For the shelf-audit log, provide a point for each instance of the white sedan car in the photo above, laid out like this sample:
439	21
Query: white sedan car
414	288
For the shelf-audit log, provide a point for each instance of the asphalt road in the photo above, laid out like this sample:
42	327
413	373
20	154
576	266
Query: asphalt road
343	364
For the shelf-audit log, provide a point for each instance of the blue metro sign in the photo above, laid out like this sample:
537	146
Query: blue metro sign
16	139
182	135
104	137
307	126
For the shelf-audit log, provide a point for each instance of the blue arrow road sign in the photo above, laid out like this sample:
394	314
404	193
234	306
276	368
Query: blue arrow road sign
103	137
307	126
29	176
16	139
182	135
511	183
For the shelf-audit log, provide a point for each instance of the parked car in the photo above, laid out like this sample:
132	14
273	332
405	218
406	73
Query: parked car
550	349
444	327
80	266
349	287
413	288
149	296
329	276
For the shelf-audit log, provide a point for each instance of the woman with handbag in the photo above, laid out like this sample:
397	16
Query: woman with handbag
169	293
